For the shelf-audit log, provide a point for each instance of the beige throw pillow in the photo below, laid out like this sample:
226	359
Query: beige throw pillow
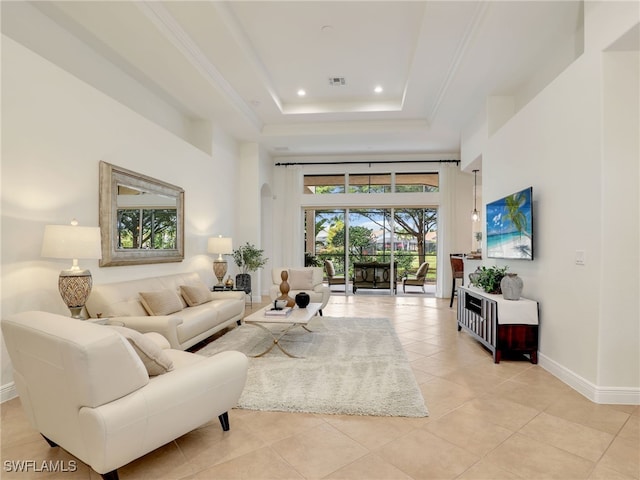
154	359
195	294
422	271
163	302
301	279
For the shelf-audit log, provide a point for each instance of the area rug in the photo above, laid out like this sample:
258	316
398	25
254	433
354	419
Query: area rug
352	366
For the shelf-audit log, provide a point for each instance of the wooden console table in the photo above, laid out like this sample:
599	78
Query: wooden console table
503	326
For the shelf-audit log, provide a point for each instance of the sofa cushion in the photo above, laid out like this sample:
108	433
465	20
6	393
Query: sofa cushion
195	295
155	360
196	320
162	302
301	279
126	308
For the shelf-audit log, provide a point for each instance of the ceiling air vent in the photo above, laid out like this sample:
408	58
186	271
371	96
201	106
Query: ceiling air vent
336	81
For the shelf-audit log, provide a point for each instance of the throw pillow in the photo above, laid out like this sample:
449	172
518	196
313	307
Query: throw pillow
154	359
422	271
331	271
301	279
163	302
195	294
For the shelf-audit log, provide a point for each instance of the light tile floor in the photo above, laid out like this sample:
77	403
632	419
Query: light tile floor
508	421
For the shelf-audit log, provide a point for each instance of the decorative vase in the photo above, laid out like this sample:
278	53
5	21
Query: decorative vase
243	282
284	289
511	285
302	299
473	276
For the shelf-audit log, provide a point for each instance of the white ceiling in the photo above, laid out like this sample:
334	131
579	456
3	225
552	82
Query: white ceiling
240	64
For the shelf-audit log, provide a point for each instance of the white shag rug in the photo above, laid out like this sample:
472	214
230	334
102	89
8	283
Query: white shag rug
353	366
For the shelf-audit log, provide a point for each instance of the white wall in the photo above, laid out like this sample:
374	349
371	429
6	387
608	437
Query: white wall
55	130
247	201
576	143
619	315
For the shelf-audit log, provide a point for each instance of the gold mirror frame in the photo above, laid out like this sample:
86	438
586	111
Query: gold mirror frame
111	177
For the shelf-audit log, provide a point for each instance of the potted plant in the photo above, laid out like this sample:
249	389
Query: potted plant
248	258
489	278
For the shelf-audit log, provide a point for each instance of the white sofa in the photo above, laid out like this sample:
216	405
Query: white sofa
86	387
301	279
185	325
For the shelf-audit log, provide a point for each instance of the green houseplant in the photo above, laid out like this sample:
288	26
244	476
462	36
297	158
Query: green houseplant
248	258
488	278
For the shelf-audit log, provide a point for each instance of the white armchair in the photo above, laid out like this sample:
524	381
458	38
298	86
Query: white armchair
85	387
302	279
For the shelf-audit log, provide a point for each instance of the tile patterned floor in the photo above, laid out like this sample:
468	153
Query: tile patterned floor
508	421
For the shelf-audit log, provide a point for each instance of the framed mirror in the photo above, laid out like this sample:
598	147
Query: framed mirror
141	218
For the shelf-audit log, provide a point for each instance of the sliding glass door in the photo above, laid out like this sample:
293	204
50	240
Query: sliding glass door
363	235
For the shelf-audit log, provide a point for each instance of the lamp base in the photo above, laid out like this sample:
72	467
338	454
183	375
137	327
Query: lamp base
76	312
220	270
75	287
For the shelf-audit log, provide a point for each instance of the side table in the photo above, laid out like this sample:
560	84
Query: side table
224	288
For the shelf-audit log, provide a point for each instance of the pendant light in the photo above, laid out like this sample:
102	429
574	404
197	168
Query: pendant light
475	216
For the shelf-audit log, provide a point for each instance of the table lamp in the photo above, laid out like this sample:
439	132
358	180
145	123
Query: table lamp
222	246
73	242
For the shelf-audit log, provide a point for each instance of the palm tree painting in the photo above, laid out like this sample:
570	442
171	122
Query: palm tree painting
509	227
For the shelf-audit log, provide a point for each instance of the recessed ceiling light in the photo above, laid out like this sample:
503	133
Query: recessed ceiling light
301	92
378	89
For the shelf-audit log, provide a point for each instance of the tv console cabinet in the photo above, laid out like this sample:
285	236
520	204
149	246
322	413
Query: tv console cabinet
503	326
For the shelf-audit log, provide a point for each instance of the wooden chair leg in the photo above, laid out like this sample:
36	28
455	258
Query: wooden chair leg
453	291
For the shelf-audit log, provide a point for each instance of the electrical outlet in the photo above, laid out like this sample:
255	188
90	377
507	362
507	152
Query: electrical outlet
581	257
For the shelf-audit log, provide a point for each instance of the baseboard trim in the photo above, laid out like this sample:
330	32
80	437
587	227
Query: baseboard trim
608	395
7	392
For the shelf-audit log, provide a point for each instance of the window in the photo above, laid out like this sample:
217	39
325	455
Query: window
323	184
377	183
416	182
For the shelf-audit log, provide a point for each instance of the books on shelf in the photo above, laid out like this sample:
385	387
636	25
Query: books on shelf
284	312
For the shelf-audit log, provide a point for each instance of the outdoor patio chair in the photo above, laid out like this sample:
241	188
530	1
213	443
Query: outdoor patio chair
418	279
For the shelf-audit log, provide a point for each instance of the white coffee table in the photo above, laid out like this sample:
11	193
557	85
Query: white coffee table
299	317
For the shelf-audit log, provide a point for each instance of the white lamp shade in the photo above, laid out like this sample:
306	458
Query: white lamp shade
68	241
220	245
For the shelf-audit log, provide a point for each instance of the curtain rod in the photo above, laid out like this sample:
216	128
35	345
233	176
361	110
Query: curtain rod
353	162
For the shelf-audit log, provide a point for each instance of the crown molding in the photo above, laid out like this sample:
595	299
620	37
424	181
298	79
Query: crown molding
171	29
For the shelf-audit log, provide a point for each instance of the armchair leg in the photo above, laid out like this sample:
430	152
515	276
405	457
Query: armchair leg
320	312
224	421
112	475
50	442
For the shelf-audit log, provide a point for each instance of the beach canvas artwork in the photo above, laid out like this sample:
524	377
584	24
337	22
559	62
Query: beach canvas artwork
509	227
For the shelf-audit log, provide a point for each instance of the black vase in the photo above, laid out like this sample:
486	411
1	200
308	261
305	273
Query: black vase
302	299
243	282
